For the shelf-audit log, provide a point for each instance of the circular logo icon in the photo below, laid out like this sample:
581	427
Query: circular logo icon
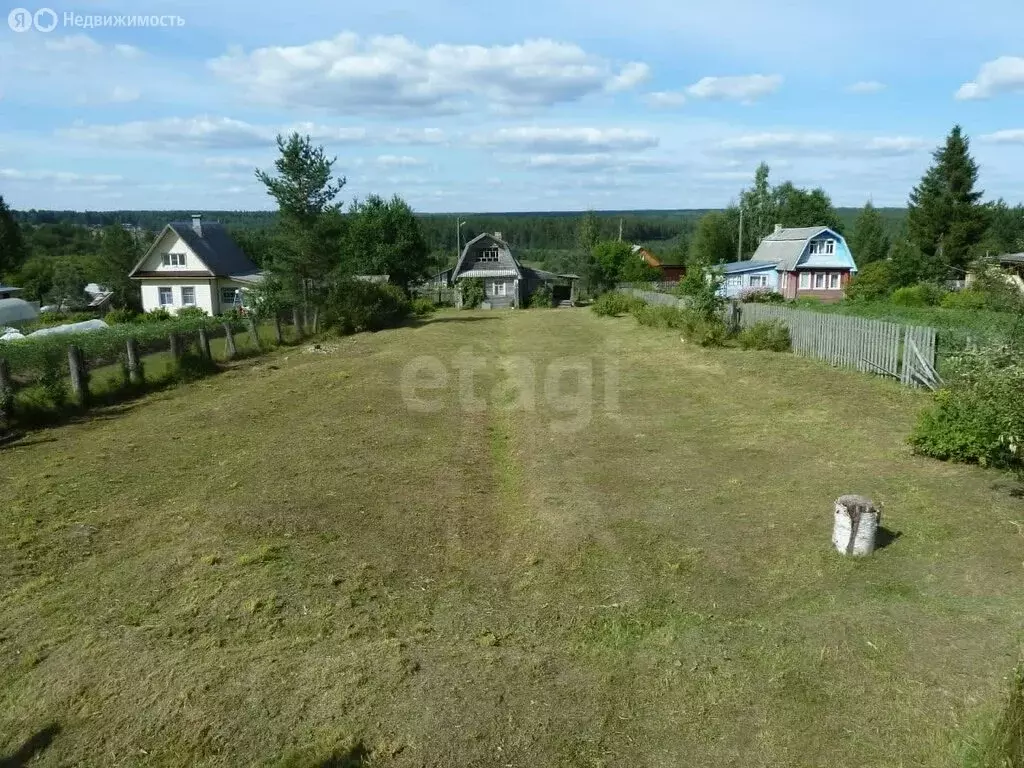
45	20
20	20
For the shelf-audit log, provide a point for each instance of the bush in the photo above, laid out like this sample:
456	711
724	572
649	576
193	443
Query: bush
807	301
706	332
967	299
762	296
422	307
657	316
699	289
613	304
920	295
542	297
356	305
473	294
768	335
874	281
978	417
120	316
191	312
157	316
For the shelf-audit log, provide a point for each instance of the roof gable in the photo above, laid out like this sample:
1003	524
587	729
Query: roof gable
785	246
472	245
215	248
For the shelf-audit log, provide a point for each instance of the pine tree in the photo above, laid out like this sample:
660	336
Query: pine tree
869	240
119	252
946	217
12	244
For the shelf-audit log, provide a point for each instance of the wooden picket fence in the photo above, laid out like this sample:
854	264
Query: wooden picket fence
905	352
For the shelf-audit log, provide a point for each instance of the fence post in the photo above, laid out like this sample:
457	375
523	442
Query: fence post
134	369
6	395
253	330
204	345
175	341
278	334
297	322
229	341
79	375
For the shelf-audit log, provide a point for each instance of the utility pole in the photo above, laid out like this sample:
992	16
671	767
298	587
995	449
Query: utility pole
620	230
739	247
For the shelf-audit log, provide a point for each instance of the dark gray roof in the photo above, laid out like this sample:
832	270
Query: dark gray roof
216	248
745	266
1011	258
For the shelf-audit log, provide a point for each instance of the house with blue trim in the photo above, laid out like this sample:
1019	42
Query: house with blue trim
795	261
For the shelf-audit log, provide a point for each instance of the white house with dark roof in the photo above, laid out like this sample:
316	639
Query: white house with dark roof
195	264
799	261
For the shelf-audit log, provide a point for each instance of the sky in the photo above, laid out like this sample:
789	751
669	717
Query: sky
527	106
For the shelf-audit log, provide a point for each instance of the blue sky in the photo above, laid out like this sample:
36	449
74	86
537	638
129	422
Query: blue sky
474	106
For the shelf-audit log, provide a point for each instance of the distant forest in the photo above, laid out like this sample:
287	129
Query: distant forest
532	234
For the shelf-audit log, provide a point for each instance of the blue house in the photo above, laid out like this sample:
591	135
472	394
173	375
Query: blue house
799	261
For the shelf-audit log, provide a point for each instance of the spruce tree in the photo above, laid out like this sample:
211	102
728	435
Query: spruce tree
946	217
869	241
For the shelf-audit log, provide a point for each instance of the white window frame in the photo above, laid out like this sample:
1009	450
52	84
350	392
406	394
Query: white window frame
734	281
184	301
173	260
489	255
835	282
819	277
160	296
805	281
501	288
758	281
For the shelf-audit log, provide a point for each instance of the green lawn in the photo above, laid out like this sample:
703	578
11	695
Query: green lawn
286	565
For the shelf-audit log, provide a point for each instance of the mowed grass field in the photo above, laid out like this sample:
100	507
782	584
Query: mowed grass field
310	561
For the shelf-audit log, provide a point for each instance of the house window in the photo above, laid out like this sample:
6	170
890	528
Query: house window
230	297
833	281
759	281
819	281
823	247
495	288
805	281
174	260
488	254
166	297
734	281
188	296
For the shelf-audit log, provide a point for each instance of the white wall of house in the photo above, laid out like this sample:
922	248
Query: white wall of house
203	291
182	258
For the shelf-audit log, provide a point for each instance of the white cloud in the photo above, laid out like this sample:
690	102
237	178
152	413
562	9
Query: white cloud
174	132
399	161
128	51
229	161
897	145
570	140
865	86
823	143
743	88
1008	136
58	177
1002	75
666	98
590	163
757	142
210	132
73	44
393	75
631	76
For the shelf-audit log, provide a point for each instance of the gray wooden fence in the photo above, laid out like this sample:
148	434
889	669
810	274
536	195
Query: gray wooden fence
906	352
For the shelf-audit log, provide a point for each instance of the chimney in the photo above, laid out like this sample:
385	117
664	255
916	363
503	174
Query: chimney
778	228
498	235
197	223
